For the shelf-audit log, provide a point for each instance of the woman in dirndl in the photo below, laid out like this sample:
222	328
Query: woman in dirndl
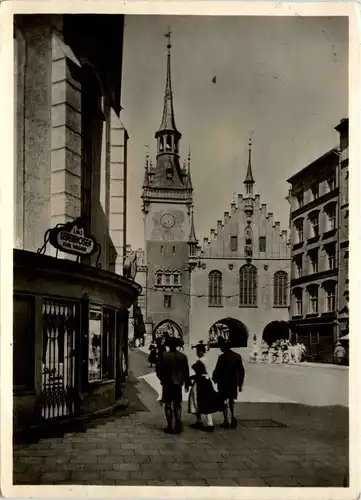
203	400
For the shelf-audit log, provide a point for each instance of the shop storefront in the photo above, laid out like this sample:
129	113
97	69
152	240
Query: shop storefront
70	337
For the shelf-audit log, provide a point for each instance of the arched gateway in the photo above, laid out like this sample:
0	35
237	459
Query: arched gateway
167	326
231	329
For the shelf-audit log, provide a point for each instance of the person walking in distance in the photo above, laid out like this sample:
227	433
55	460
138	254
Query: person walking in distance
229	376
173	373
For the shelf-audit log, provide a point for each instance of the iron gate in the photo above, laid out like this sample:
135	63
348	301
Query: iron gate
61	328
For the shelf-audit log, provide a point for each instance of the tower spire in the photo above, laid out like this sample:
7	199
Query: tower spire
249	180
168	120
146	171
189	179
192	233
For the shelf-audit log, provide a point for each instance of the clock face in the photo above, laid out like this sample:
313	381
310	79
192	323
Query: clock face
167	220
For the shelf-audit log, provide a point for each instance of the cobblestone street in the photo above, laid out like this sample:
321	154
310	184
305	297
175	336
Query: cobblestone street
275	444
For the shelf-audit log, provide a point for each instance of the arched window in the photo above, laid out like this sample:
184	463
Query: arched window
215	288
280	289
248	286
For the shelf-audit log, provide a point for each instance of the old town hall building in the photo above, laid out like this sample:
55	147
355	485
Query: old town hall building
236	280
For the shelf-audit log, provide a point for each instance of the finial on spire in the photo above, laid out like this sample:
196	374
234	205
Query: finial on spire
249	181
168	36
189	155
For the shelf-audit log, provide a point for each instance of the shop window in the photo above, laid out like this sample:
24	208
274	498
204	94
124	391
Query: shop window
23	343
101	343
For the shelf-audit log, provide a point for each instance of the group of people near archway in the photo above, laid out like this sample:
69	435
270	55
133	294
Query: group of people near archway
172	370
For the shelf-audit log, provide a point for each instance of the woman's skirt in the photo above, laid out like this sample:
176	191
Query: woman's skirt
203	398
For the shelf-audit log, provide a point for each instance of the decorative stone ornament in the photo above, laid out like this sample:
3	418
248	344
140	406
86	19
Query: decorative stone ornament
230	267
265	267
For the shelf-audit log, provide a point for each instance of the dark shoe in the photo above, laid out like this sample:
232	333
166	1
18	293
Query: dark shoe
225	425
178	428
197	425
233	423
209	428
168	430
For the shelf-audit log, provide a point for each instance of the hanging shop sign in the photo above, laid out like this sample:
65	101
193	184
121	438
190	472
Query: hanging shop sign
72	238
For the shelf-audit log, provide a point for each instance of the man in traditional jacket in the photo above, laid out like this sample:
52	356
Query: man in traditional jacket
229	376
173	373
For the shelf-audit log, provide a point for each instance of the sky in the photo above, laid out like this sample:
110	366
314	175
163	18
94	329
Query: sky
283	79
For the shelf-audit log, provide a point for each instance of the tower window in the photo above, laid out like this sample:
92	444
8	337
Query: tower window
162	249
262	243
167	301
167	279
176	279
234	243
173	250
159	278
169	143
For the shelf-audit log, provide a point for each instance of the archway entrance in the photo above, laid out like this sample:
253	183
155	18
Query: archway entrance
276	330
169	327
231	329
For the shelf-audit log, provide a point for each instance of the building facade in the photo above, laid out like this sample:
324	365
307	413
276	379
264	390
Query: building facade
343	240
314	200
71	302
236	281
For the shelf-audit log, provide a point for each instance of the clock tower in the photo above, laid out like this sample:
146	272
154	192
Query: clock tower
168	224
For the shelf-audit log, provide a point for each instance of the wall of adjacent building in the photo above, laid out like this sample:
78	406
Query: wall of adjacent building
48	156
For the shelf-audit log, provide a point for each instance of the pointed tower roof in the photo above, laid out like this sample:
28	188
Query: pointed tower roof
168	120
249	177
146	172
189	179
192	233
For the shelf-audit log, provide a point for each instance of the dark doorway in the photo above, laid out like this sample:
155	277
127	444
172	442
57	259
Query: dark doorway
232	329
276	330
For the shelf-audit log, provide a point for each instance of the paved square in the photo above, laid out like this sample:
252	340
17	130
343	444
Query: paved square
275	444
